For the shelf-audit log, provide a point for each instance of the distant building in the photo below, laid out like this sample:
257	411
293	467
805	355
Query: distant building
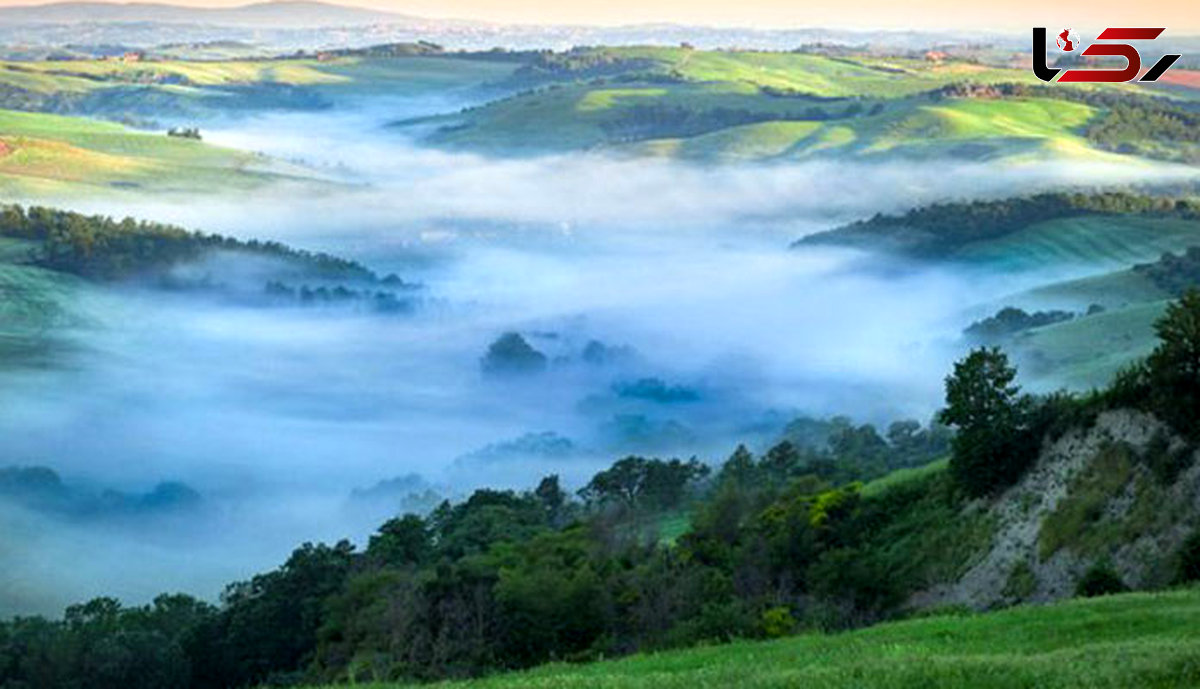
935	56
136	56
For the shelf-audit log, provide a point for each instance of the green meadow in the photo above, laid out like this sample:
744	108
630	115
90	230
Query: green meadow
1144	640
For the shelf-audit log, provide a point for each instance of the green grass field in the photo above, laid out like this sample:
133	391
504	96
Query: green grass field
1144	640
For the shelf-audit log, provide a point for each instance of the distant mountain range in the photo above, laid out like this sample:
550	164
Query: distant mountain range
34	31
276	14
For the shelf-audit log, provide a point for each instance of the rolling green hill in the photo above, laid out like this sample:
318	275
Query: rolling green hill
151	90
1142	640
54	155
1104	242
720	105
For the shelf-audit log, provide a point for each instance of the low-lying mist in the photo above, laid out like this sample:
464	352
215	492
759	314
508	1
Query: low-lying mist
672	316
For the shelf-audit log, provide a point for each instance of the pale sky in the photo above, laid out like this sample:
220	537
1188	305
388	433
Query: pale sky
1085	16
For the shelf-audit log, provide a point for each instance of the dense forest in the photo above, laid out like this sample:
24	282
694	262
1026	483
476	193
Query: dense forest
777	543
101	248
940	229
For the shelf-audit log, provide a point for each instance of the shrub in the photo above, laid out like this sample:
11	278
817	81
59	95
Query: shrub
1100	580
777	622
1188	560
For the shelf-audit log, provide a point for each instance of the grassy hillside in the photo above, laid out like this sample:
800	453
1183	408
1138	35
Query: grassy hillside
53	154
176	89
1142	640
1104	242
963	129
736	105
1088	351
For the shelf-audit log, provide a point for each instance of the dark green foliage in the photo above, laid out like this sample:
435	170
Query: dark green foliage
98	247
1188	559
267	630
102	644
400	542
1100	580
1166	462
991	416
1173	368
636	482
512	354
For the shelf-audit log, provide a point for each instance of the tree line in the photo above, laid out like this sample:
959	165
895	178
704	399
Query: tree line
940	229
98	247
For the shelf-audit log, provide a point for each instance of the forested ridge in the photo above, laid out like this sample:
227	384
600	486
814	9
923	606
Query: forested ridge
777	543
940	229
101	248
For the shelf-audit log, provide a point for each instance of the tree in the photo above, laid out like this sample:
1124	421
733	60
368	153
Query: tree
512	354
401	541
1174	366
990	414
640	482
1100	580
552	497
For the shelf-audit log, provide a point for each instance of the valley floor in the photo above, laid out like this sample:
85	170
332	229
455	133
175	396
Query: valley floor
1139	640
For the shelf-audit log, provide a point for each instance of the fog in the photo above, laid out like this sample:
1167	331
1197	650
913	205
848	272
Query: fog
277	415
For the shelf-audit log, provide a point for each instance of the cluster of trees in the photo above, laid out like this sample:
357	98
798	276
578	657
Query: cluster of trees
511	354
383	301
1011	320
581	63
1159	128
41	489
838	451
185	133
940	229
101	248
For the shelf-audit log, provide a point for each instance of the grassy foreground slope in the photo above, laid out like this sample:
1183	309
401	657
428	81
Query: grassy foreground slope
1134	640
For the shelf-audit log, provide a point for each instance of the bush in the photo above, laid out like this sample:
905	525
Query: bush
1100	580
1189	560
777	622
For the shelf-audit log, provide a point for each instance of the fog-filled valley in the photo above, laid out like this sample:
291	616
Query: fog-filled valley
658	309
